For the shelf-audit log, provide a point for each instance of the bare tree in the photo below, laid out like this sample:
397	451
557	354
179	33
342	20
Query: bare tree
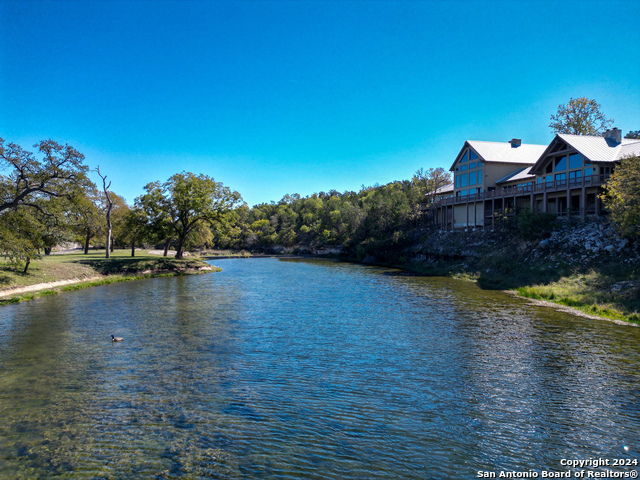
109	204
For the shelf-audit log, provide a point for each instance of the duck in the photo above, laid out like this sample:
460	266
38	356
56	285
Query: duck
116	339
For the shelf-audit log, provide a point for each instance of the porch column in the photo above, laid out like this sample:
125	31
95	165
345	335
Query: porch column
493	212
583	202
475	214
467	212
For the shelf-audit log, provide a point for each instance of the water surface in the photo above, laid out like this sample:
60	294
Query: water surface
308	369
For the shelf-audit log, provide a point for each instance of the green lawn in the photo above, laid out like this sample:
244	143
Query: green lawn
53	268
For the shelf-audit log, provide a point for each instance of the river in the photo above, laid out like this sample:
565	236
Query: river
309	369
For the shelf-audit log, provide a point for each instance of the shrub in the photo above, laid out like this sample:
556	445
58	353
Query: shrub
535	226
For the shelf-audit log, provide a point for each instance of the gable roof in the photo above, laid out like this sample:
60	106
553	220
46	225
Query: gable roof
503	152
596	149
521	174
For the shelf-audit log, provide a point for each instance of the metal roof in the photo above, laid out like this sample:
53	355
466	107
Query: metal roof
498	152
444	189
600	149
630	149
521	174
596	149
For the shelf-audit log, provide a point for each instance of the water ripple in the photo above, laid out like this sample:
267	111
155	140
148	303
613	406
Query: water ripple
307	369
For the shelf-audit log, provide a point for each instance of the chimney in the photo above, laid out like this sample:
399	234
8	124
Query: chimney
615	135
515	142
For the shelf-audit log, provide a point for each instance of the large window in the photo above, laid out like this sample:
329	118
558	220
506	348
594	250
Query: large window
575	161
561	163
472	155
575	174
463	167
472	178
561	176
465	157
463	180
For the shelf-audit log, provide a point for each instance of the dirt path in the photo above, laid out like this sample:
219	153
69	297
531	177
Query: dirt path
44	286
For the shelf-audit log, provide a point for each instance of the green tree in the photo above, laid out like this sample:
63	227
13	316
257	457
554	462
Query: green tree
21	236
87	216
581	116
622	197
187	200
119	212
159	224
633	134
60	174
133	223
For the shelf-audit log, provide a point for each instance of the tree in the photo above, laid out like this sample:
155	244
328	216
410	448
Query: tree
189	200
20	236
154	206
108	207
633	134
622	197
581	116
87	216
133	225
60	174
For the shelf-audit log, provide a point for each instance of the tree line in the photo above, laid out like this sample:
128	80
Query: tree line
47	199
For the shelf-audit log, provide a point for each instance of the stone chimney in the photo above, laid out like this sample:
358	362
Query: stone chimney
515	142
615	135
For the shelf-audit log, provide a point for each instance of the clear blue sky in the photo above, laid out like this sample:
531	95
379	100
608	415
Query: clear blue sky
277	97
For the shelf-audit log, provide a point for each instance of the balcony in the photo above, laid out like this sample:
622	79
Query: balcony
526	190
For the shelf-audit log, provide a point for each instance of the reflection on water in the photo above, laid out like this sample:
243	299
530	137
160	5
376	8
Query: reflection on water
307	369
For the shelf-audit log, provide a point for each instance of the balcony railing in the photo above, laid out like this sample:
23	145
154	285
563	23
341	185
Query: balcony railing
553	186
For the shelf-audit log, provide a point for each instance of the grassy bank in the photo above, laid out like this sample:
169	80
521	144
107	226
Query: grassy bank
567	269
82	271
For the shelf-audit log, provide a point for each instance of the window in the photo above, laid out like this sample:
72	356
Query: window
465	157
463	167
561	176
463	180
575	161
575	174
588	172
472	178
472	165
457	181
472	155
561	163
549	168
479	176
539	180
463	193
549	178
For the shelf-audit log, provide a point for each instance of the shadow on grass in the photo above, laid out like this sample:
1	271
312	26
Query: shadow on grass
132	265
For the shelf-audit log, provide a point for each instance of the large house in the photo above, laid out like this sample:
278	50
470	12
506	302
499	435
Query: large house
565	177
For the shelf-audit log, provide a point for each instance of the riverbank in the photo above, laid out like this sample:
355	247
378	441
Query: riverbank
584	267
73	271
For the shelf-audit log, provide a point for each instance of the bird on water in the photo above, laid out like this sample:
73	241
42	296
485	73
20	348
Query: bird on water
116	339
